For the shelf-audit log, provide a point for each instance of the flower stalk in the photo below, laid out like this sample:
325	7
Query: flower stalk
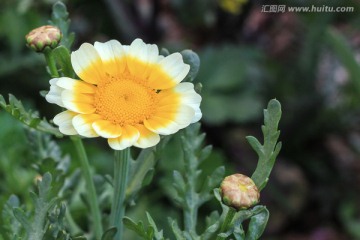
121	172
227	221
94	205
51	62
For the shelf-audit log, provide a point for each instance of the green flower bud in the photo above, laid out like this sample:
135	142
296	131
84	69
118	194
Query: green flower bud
239	191
42	37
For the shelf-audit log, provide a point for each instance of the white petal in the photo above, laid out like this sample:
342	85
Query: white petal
139	56
113	56
128	137
75	85
197	116
147	138
147	53
64	121
107	129
78	102
182	115
168	72
174	66
87	64
83	124
161	126
54	95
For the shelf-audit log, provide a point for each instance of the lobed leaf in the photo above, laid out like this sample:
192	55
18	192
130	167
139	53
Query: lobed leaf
267	152
27	117
59	18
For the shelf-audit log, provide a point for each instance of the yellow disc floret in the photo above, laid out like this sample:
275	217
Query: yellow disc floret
125	101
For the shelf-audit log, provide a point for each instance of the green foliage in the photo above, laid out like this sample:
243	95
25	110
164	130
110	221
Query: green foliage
62	58
28	117
43	202
150	233
189	196
258	216
109	234
60	18
231	78
47	219
10	226
270	149
341	48
187	192
141	172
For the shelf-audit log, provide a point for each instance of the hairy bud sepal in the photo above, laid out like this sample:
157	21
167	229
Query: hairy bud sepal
239	191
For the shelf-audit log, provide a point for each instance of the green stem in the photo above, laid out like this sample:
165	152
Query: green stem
121	171
51	63
94	205
227	222
190	215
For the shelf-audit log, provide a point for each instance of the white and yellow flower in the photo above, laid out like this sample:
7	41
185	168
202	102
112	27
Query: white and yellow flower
127	94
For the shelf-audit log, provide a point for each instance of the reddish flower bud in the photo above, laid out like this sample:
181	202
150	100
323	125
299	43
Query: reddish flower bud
239	191
42	37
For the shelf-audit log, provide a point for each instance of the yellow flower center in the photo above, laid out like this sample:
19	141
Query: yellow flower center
242	187
125	100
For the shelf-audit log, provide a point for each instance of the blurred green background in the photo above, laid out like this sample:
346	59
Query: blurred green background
308	61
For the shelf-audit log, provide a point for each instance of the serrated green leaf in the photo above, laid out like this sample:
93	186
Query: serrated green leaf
191	58
109	234
269	150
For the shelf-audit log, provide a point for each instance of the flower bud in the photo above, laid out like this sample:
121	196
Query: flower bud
42	37
37	178
239	191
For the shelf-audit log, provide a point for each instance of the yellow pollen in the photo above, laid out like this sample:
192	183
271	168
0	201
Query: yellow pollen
125	101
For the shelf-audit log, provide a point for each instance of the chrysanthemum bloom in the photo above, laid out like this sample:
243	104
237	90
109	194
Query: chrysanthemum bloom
239	191
127	94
